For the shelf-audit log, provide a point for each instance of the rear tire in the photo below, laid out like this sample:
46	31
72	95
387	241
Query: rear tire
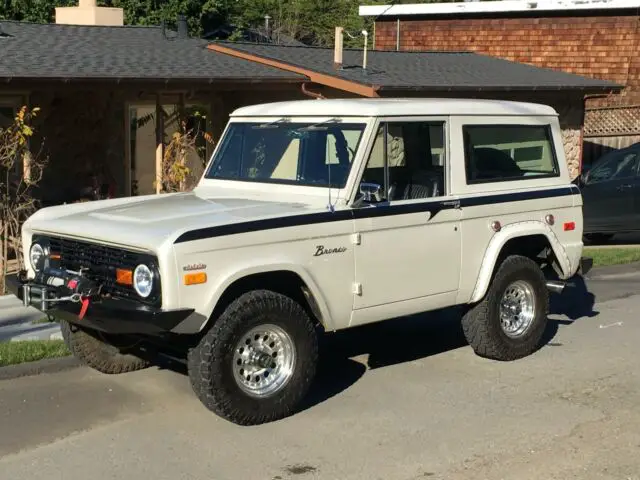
97	354
258	360
510	321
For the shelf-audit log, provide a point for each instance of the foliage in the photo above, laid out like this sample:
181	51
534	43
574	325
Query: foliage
20	173
189	139
310	21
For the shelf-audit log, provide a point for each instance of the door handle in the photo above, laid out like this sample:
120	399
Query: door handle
452	203
622	187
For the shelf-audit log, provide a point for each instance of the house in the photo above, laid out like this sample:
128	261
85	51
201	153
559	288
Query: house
594	38
107	92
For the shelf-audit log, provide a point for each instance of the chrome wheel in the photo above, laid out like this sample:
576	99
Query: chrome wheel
264	360
517	309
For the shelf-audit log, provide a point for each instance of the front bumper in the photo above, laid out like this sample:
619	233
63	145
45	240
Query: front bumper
107	315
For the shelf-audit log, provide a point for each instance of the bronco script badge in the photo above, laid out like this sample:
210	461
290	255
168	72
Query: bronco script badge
320	250
194	266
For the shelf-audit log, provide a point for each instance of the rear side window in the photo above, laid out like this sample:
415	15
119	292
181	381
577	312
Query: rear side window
497	153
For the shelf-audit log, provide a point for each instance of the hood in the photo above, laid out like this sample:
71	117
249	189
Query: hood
148	222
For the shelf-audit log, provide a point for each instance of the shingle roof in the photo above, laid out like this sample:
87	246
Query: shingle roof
425	70
29	50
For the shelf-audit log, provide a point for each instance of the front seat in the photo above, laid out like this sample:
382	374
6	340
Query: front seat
424	184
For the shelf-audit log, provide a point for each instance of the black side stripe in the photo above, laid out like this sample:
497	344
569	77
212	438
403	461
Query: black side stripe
384	210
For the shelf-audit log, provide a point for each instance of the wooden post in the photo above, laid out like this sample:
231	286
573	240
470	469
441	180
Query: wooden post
159	143
26	167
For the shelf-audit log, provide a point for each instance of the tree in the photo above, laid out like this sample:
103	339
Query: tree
310	21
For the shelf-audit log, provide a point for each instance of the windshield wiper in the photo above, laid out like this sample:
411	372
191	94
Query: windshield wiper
274	124
319	126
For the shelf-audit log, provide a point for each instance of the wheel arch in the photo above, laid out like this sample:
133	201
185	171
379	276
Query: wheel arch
287	279
531	239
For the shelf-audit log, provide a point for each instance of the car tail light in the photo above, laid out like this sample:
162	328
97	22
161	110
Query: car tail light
569	226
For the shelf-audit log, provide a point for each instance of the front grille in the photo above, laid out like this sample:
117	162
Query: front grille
99	263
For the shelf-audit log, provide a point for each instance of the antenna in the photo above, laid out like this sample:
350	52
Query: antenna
365	34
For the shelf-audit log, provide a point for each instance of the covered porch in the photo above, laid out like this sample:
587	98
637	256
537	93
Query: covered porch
112	139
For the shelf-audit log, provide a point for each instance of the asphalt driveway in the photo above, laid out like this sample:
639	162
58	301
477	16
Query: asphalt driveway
401	400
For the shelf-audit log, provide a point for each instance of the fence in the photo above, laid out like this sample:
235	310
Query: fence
609	128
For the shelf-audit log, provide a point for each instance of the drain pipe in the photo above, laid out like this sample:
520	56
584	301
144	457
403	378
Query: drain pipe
309	93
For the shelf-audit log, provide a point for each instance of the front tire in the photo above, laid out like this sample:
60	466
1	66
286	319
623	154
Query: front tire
258	360
97	354
509	323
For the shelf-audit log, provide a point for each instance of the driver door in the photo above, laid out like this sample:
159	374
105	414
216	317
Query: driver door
409	252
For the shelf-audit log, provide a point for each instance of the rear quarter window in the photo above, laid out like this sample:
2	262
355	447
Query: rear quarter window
499	153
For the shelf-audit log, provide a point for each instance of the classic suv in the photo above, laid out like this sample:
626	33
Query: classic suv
611	194
313	216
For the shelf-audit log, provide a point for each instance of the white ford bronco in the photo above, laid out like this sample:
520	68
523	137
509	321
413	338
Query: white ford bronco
314	216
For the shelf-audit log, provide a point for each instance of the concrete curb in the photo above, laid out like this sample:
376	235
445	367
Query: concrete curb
614	271
49	365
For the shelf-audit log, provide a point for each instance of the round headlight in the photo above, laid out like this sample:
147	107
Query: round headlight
143	280
37	256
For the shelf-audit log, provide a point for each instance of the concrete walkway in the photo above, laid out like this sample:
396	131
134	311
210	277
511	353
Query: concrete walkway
17	322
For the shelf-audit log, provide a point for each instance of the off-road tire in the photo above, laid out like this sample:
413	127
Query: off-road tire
97	354
481	323
210	362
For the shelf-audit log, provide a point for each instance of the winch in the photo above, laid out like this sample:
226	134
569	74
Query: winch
58	286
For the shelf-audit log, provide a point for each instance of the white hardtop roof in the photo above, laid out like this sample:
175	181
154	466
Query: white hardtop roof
494	7
387	107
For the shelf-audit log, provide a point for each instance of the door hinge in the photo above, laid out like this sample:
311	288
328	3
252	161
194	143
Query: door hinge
356	238
357	289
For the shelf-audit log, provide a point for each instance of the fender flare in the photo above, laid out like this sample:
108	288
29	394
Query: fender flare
226	281
509	232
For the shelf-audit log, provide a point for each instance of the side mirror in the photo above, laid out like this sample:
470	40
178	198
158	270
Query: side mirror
584	178
371	192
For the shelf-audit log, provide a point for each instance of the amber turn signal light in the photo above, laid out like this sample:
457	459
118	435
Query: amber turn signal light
195	278
124	277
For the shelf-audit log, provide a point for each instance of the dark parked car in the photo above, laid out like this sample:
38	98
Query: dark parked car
611	195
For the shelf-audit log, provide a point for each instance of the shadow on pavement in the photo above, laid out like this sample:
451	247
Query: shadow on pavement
575	302
407	339
421	336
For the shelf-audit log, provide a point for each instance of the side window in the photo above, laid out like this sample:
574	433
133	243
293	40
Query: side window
414	158
495	153
614	167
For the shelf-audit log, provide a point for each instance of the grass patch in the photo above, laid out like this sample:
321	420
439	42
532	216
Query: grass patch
14	353
612	256
41	321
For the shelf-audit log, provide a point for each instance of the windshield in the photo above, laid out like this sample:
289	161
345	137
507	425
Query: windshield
311	154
